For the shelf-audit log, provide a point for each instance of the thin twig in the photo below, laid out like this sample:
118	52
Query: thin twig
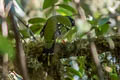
27	26
81	14
19	49
96	60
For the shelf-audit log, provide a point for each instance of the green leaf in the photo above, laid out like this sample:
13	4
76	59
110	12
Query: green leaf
66	1
101	30
49	3
114	76
64	12
75	72
6	47
103	21
36	28
49	11
36	20
70	35
97	14
95	77
104	28
69	8
63	20
93	22
25	33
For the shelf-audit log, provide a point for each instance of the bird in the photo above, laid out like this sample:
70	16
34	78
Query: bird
53	29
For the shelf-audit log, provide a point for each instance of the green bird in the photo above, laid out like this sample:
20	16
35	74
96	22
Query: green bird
52	27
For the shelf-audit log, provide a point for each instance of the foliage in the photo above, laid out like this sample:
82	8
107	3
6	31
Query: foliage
97	25
8	47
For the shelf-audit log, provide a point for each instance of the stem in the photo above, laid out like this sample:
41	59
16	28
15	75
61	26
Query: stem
5	34
19	49
27	26
5	56
96	60
81	14
5	66
80	11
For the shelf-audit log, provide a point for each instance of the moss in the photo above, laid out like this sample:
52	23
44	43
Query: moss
40	64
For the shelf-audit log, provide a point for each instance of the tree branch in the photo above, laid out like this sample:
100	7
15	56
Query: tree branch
19	47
